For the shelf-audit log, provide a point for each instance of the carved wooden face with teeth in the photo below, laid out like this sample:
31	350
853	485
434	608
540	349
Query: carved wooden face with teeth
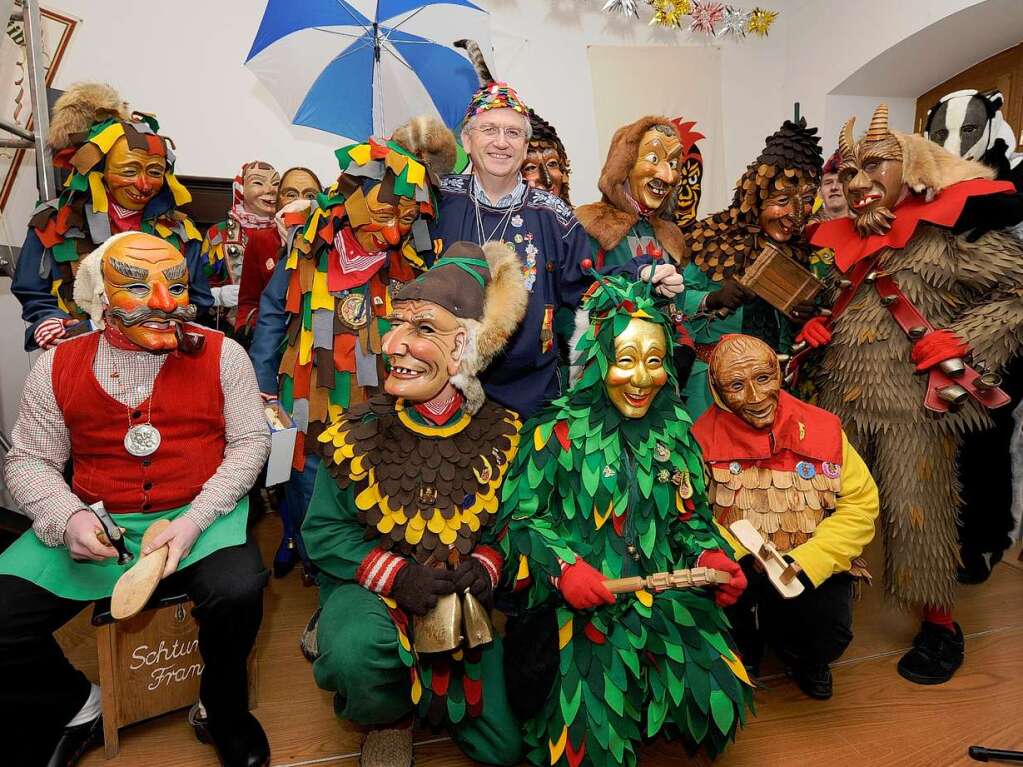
656	171
746	377
424	346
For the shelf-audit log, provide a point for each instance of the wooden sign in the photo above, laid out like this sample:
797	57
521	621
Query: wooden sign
148	665
781	281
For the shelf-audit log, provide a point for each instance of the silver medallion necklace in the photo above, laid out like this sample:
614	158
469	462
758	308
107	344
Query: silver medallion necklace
141	439
503	220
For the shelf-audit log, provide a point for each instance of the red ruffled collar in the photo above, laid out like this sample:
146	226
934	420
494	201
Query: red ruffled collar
944	210
803	429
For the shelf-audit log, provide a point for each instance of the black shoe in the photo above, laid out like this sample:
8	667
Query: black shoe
308	644
75	741
815	681
975	568
239	742
287	556
936	654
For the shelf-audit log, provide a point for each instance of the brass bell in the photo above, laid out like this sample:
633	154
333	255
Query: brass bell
953	368
888	300
915	333
825	312
796	348
845	284
953	394
871	278
478	630
783	358
988	381
440	630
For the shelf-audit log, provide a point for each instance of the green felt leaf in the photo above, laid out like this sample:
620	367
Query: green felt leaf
614	698
647	538
570	705
723	710
655	714
65	251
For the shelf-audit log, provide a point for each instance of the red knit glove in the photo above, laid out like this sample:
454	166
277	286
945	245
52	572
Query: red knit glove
815	332
727	593
583	587
936	347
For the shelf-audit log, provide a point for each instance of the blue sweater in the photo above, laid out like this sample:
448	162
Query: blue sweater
551	245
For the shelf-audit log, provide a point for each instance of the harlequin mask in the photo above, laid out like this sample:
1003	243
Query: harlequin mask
543	167
297	184
146	284
637	373
656	170
871	173
259	188
380	219
746	378
133	177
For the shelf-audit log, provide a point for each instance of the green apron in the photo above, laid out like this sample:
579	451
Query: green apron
54	570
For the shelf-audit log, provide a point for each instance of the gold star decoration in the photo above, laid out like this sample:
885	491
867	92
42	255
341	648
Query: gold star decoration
760	21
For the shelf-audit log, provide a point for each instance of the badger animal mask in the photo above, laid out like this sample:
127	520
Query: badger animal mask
968	123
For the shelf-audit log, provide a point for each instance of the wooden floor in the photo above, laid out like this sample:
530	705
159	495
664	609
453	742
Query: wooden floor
875	719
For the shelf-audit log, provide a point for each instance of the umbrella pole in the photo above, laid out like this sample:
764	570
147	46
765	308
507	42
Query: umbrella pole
378	101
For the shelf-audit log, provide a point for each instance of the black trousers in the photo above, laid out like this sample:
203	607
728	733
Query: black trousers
811	629
40	691
985	470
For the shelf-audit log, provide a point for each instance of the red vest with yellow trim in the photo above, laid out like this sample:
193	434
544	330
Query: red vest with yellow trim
785	480
187	408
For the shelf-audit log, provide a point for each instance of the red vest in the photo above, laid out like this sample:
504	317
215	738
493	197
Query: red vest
187	409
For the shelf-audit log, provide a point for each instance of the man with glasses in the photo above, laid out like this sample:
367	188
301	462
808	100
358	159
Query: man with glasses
494	203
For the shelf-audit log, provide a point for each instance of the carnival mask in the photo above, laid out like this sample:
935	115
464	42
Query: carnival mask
542	168
424	346
871	174
655	172
297	184
638	372
688	191
378	224
259	189
745	374
785	211
133	177
146	284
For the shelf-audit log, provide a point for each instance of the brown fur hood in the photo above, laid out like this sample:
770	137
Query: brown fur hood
609	220
928	168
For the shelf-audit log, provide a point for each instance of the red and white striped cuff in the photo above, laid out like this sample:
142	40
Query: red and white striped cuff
492	560
48	330
378	571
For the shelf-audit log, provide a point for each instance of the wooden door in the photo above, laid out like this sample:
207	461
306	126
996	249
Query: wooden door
1003	72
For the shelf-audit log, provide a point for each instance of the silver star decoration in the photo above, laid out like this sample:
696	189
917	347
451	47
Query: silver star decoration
622	7
735	22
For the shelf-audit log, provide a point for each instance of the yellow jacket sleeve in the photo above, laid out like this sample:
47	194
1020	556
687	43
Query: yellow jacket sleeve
841	537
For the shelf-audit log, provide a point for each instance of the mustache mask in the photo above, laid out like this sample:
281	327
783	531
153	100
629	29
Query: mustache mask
145	314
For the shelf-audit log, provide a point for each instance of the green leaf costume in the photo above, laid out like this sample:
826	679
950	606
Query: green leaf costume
629	497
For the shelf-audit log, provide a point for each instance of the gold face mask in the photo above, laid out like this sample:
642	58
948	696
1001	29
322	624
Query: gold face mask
638	372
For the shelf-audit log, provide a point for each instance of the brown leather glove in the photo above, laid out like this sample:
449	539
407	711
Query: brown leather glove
731	295
417	588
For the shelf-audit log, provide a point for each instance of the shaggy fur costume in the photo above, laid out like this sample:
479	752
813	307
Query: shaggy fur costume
78	108
868	380
610	220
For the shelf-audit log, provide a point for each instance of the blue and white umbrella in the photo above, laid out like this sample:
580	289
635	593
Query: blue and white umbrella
361	67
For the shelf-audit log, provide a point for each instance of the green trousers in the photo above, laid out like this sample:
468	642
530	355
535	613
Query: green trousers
359	661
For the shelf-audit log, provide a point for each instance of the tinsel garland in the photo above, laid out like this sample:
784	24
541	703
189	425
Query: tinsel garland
713	19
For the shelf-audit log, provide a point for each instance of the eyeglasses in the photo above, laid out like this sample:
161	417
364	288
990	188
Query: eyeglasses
511	135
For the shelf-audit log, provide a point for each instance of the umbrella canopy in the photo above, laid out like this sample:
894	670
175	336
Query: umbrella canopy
361	67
